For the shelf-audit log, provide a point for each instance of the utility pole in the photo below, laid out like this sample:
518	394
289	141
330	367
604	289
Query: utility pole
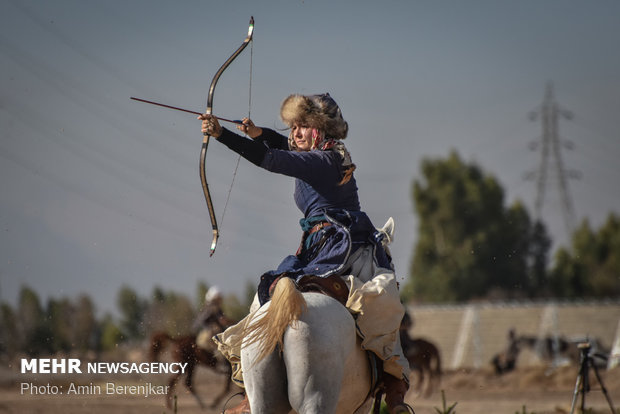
550	144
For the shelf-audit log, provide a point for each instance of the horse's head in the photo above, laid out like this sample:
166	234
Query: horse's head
388	232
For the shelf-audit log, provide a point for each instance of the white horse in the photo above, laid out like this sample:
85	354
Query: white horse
306	355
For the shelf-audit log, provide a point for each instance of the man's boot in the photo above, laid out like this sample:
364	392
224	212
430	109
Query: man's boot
395	390
242	408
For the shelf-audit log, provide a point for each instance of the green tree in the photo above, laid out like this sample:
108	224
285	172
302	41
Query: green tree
469	244
36	336
85	326
30	311
59	320
132	309
9	332
201	291
169	312
235	308
111	334
591	266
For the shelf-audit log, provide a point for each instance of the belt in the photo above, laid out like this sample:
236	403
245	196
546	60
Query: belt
319	226
312	230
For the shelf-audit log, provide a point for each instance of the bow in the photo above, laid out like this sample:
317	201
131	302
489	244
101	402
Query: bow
205	141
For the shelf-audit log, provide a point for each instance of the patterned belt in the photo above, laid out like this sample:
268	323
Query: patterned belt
319	226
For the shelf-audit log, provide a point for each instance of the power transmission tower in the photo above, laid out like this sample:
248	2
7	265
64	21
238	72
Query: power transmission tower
550	144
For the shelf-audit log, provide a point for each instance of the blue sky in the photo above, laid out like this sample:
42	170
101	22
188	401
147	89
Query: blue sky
98	191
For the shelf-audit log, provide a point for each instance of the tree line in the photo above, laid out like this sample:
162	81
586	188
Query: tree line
71	325
473	246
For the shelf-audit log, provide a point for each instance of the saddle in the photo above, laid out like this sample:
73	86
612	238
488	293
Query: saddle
332	286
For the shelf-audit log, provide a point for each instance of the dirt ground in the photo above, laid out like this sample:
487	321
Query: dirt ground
539	390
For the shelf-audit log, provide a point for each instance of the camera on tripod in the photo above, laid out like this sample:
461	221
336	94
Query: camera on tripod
583	378
586	347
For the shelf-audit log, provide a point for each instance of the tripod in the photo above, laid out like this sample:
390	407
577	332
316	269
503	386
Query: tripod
583	382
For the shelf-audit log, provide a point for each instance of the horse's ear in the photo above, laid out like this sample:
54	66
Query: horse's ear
388	229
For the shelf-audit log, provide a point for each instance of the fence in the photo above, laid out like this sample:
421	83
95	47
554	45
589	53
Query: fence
470	335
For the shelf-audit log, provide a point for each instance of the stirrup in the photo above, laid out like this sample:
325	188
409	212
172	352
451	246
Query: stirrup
239	407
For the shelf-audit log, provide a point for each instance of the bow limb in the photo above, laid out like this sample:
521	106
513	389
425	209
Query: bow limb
205	141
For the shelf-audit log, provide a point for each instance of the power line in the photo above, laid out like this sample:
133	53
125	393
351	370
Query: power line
550	145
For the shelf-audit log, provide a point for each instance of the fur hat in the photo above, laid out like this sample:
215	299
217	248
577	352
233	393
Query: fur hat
316	111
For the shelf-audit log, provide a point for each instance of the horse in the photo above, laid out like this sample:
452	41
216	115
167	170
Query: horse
303	354
318	367
186	351
553	350
558	350
423	357
506	360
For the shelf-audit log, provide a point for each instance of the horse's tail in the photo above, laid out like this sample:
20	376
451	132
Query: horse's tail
287	304
158	341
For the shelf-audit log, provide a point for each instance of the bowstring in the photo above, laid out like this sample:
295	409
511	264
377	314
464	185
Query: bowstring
232	183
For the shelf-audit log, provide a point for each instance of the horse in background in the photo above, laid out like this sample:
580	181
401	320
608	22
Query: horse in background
548	349
554	350
186	351
559	350
506	360
424	359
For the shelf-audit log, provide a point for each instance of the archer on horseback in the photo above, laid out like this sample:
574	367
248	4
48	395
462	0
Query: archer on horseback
338	241
211	320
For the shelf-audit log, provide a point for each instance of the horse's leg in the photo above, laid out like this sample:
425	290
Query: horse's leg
433	369
209	360
436	370
224	392
312	371
189	376
315	367
171	385
427	377
265	382
417	377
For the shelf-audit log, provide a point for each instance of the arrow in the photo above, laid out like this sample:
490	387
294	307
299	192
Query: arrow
236	121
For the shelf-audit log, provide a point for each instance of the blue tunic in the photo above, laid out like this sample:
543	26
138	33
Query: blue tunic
320	197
